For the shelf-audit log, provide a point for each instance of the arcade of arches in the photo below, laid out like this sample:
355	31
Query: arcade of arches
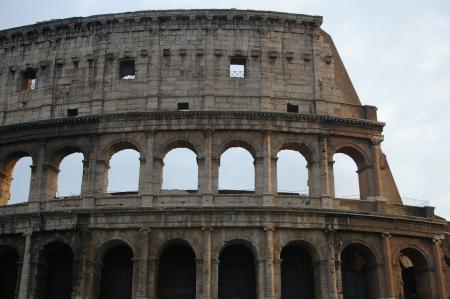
67	175
177	272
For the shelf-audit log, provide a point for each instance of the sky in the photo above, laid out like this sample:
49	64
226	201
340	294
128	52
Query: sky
397	54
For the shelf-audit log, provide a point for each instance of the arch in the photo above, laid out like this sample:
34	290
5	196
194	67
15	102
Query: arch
359	272
177	143
55	271
62	182
302	148
177	272
232	178
9	265
297	272
124	161
180	170
290	176
118	145
15	191
116	270
414	274
237	272
355	152
245	144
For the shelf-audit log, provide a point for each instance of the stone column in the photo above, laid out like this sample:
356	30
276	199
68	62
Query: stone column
141	289
259	175
267	171
146	175
215	277
323	176
157	175
90	174
388	273
26	267
207	263
260	283
206	171
377	189
270	273
440	285
37	184
332	282
84	264
85	178
152	272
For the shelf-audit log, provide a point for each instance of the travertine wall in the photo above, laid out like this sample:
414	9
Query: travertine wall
180	56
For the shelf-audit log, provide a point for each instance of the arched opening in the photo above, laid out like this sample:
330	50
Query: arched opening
70	175
359	277
123	174
177	276
236	170
16	180
55	272
297	273
237	277
117	273
292	172
9	268
346	179
414	276
180	170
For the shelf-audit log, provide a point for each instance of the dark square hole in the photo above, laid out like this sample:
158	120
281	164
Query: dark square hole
292	108
72	112
29	79
127	70
183	106
237	67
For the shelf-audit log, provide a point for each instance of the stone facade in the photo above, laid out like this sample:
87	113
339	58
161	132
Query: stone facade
62	91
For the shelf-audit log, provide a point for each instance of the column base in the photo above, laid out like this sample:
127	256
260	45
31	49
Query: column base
326	202
147	200
34	206
268	200
207	200
88	202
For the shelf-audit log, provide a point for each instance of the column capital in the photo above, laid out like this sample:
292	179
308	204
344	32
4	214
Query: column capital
27	233
437	241
145	230
207	228
329	229
376	140
269	228
385	235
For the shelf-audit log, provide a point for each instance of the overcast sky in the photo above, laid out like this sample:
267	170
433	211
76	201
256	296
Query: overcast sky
396	52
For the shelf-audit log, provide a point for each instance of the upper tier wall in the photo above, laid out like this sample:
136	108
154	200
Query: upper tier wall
180	56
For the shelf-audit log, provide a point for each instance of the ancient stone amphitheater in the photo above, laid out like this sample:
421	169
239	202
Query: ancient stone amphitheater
154	81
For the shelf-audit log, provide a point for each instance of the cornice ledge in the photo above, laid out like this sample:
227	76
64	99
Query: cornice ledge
161	115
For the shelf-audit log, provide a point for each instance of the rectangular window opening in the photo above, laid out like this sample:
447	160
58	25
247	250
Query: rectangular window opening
237	67
127	70
29	79
292	108
183	106
72	112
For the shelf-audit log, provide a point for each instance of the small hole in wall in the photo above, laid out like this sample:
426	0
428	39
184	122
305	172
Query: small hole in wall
183	106
127	70
237	67
72	112
292	108
29	79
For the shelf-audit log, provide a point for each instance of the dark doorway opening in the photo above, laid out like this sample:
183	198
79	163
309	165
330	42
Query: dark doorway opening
8	272
117	273
415	275
297	273
237	278
56	271
177	277
355	283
